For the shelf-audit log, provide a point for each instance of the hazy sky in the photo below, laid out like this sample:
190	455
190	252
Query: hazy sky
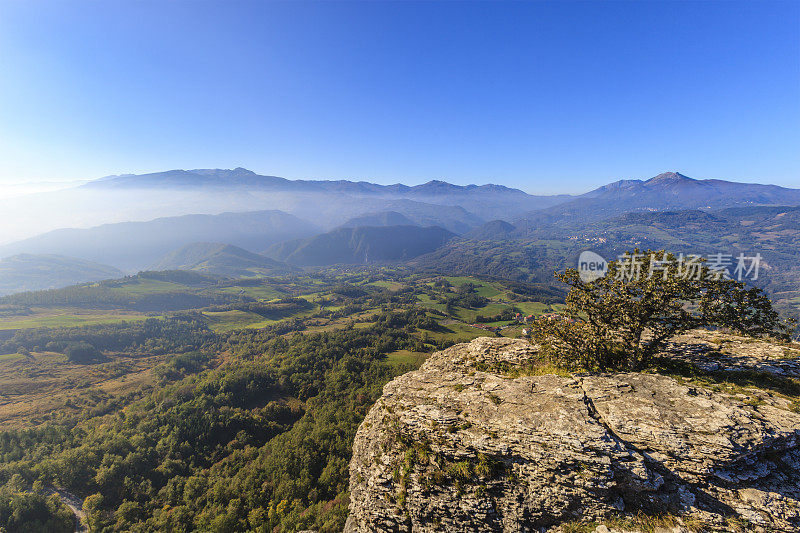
543	96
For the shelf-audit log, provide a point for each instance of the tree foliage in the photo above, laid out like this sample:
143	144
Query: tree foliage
32	511
621	320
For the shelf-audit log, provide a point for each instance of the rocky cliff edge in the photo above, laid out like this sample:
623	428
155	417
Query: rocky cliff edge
479	440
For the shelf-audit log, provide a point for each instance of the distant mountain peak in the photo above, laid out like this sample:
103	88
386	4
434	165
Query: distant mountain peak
666	180
237	170
669	177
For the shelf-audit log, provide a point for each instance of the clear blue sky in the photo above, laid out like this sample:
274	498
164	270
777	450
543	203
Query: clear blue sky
547	97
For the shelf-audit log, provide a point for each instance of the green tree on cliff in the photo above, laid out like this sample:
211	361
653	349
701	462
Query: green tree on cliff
621	320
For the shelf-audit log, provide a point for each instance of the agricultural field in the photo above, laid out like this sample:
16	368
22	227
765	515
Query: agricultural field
454	332
224	321
456	308
482	288
406	357
388	285
42	317
259	292
138	286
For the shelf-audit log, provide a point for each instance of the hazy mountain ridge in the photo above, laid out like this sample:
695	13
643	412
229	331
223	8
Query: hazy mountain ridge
241	177
668	204
366	244
675	183
331	203
450	217
494	199
29	272
136	245
221	259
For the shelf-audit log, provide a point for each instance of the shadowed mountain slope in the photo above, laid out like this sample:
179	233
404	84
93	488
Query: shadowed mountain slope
221	259
384	218
367	244
494	230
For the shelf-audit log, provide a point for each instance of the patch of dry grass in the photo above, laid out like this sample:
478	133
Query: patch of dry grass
48	387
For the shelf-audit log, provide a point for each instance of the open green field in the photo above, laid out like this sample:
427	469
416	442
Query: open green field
533	308
482	288
144	286
500	298
67	317
492	309
457	332
259	293
427	301
331	309
391	285
402	357
224	321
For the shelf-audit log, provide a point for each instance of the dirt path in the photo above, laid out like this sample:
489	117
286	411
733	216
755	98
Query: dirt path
75	504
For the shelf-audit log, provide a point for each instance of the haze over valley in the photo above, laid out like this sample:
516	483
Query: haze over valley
308	223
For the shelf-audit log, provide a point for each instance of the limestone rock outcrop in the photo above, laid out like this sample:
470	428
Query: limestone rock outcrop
476	441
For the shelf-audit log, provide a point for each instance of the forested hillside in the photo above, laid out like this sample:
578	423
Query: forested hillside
234	414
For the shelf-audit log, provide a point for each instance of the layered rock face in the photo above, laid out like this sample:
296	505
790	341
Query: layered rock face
473	442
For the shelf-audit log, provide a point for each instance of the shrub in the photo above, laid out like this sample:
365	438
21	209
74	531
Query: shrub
82	352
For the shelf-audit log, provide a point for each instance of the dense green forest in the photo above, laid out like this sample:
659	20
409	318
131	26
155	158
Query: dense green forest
32	509
245	428
258	442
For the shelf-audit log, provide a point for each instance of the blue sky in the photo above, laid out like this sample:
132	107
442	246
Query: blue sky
548	97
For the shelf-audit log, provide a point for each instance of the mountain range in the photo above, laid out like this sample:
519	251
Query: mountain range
666	191
770	232
325	203
483	200
326	222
